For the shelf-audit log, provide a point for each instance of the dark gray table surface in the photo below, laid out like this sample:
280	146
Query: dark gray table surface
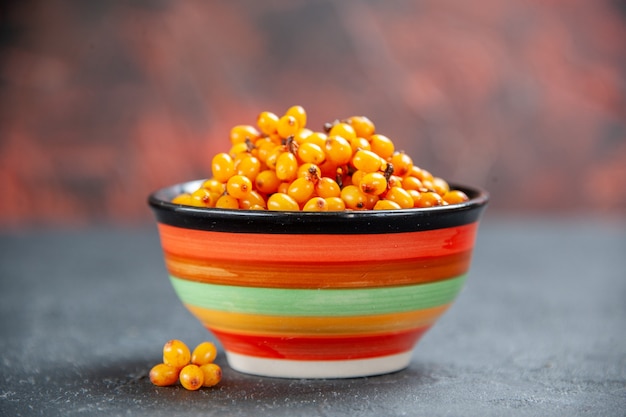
539	330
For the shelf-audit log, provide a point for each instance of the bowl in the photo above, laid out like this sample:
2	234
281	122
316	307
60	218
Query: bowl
317	294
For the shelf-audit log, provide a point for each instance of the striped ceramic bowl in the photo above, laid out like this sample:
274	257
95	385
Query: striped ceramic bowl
317	295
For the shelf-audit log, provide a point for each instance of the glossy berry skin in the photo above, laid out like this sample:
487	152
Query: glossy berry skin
239	186
163	375
176	354
315	204
455	197
191	377
212	374
282	202
204	353
223	167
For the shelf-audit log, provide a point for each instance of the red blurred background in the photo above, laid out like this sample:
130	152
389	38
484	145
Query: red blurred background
103	102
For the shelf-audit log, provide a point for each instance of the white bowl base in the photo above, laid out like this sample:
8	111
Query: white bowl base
285	368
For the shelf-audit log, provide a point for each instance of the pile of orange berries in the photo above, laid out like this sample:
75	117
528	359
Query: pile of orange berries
280	164
193	369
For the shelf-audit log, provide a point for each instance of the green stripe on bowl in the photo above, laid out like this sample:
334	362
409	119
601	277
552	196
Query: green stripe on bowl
317	302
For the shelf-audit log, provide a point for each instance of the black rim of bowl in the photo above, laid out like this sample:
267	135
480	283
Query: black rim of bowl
297	222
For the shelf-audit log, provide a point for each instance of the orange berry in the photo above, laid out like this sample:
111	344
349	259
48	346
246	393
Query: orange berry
212	374
204	353
267	181
400	196
287	126
316	204
362	126
176	354
242	133
455	197
282	202
239	186
345	130
298	113
338	150
267	122
382	145
386	205
429	199
335	204
191	377
163	375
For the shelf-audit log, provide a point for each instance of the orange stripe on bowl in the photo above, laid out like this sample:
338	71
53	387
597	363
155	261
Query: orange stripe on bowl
321	348
318	273
331	248
290	326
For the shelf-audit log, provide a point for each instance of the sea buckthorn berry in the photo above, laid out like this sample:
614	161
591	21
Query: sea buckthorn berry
455	197
357	176
309	170
395	181
212	374
362	126
223	167
237	149
287	126
249	166
176	354
315	204
239	186
273	155
382	146
353	197
227	202
202	197
309	152
373	183
286	166
184	199
421	174
241	133
429	199
400	196
299	114
360	143
370	201
264	147
214	186
282	202
327	187
344	130
386	205
267	181
191	377
267	122
163	375
204	353
335	204
366	161
411	183
301	135
283	187
440	186
416	195
318	138
252	201
338	150
301	189
402	164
